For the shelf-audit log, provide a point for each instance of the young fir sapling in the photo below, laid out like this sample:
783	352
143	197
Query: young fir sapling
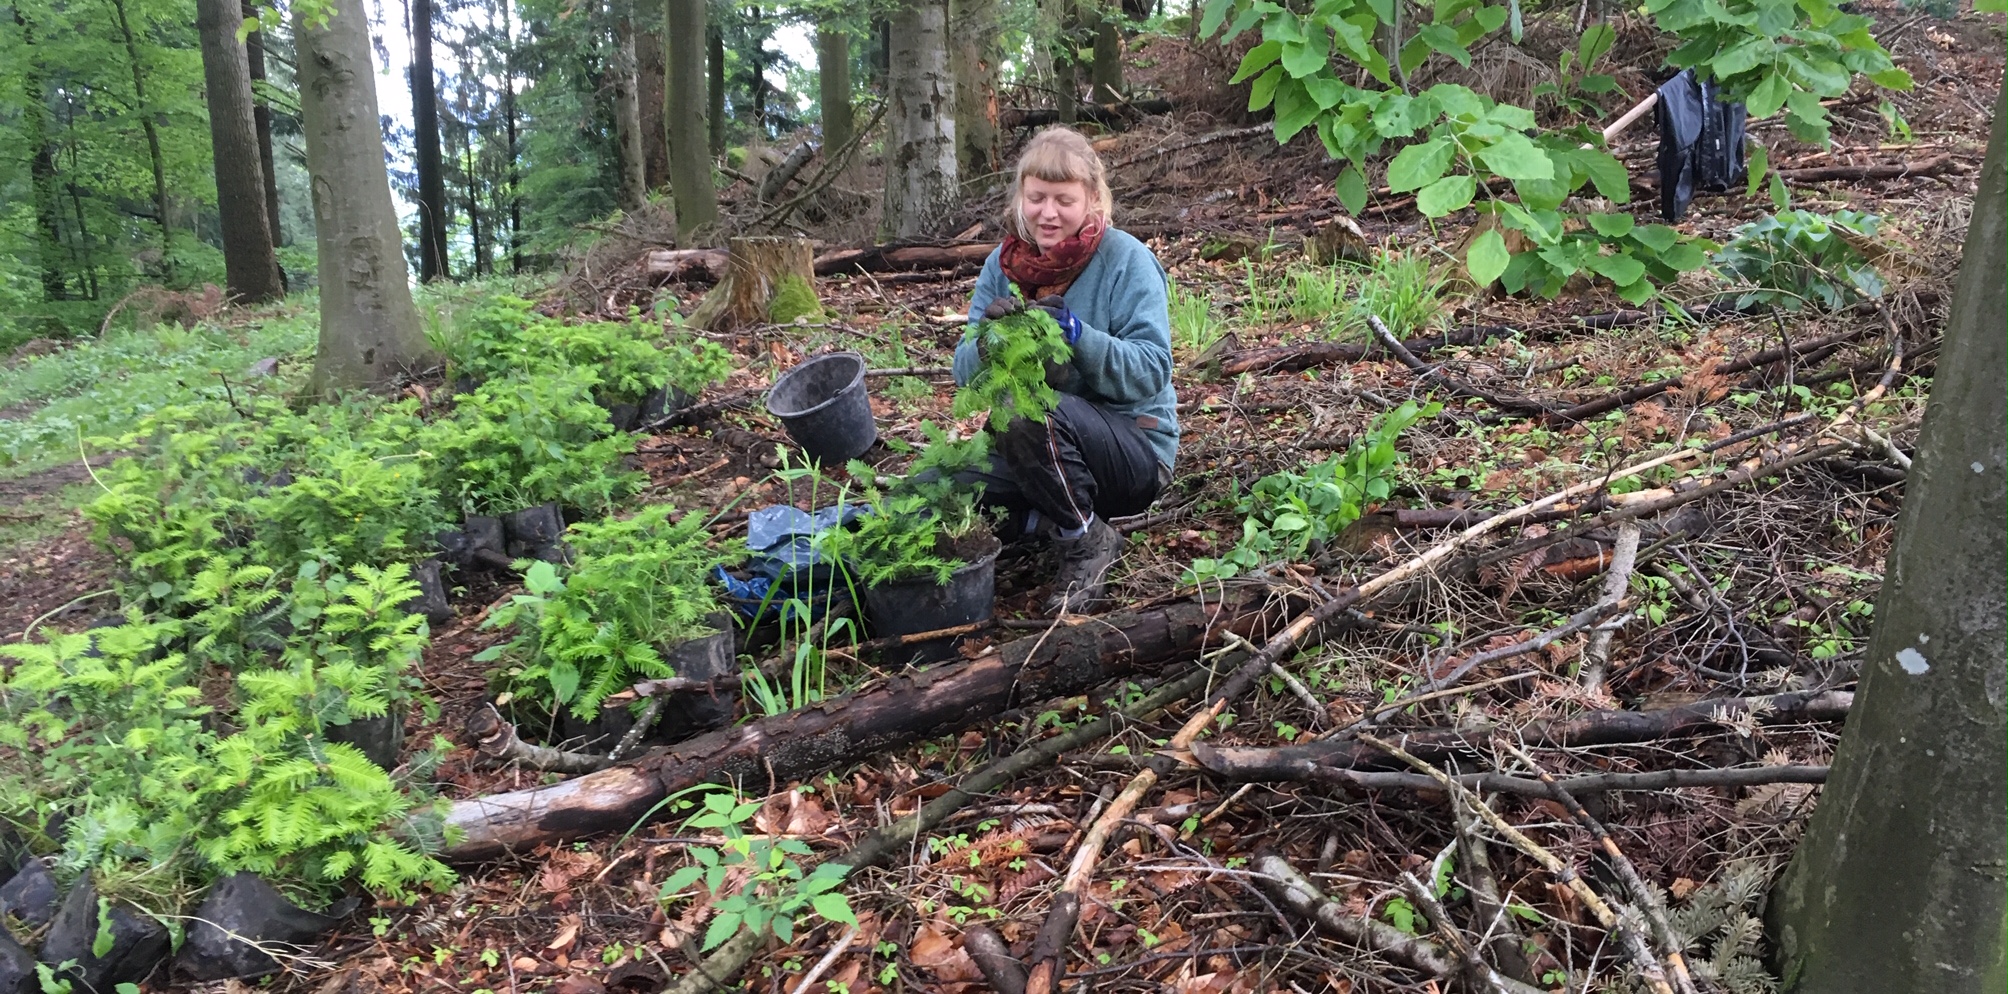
1017	351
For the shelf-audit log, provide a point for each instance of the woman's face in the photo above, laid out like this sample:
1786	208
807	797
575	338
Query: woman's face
1055	211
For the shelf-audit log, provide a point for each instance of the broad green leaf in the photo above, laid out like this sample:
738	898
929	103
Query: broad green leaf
1487	257
1606	173
1597	39
721	928
1657	237
1351	189
1444	39
1612	225
834	907
1636	293
1263	90
1780	197
1683	257
1295	109
1490	18
1257	58
1622	270
1327	91
1769	95
1419	165
1312	55
1515	28
1760	161
1451	193
564	679
1894	79
1742	58
1514	157
1216	12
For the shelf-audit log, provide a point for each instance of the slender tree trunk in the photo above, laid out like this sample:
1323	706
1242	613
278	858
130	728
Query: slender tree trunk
370	334
714	113
152	132
651	94
833	86
261	118
1067	61
509	133
250	266
432	257
42	169
881	54
973	25
1898	882
689	163
756	79
920	176
470	165
1108	70
621	73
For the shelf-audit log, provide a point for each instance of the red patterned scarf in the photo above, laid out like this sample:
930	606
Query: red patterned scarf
1038	275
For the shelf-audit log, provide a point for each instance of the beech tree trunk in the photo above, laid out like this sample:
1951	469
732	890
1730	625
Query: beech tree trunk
146	123
1108	67
261	118
689	162
250	266
833	86
623	71
975	56
651	96
1898	882
42	169
370	333
714	113
844	730
1067	59
920	175
432	260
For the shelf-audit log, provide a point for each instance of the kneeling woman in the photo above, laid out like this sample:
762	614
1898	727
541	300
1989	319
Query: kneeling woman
1107	449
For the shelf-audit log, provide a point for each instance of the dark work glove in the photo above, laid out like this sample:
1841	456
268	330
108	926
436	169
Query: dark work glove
1056	305
1002	307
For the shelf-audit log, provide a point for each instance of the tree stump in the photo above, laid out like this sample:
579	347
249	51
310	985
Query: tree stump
768	280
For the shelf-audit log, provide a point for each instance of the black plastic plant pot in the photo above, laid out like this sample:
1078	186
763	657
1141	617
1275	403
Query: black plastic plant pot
431	600
381	739
536	532
17	967
240	920
623	414
29	894
824	406
139	943
908	607
664	401
710	658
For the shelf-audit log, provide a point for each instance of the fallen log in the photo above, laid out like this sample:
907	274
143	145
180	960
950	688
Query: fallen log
1064	660
1592	728
1034	117
903	257
697	265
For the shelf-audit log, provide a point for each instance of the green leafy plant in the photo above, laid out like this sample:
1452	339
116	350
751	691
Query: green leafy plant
776	893
1011	383
1575	77
1796	258
525	440
636	586
1194	327
1285	512
1403	288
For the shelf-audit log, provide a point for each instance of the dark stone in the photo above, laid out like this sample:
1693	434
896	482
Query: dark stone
380	738
17	967
30	893
139	944
242	914
537	527
431	600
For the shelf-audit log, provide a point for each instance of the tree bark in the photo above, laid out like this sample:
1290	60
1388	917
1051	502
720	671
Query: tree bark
844	730
689	163
833	86
261	118
432	259
651	94
973	25
714	107
1108	67
370	333
920	183
756	269
1067	61
509	134
623	72
1898	880
145	114
250	266
42	168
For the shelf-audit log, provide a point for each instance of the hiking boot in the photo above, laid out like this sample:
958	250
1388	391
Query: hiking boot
1084	569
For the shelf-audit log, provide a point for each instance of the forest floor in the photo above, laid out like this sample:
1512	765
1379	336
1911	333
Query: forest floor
1760	588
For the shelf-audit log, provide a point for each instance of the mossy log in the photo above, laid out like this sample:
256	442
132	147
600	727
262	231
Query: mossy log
768	280
844	730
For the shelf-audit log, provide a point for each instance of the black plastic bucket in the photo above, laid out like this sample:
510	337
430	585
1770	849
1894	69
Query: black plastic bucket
824	406
906	607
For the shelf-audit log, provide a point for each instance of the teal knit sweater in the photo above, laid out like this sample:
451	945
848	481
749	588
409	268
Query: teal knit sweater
1124	353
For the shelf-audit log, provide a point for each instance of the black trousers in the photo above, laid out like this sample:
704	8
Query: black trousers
1084	459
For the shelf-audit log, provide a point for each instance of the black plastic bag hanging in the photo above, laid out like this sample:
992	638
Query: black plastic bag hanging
1700	142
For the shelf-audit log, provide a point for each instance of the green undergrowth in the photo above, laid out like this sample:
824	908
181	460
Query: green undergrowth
266	573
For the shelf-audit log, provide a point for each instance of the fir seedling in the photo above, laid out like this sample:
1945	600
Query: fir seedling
1016	351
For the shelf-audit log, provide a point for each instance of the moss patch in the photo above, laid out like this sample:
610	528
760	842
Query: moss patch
794	298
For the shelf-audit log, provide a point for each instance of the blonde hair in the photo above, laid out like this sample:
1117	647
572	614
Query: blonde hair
1059	155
